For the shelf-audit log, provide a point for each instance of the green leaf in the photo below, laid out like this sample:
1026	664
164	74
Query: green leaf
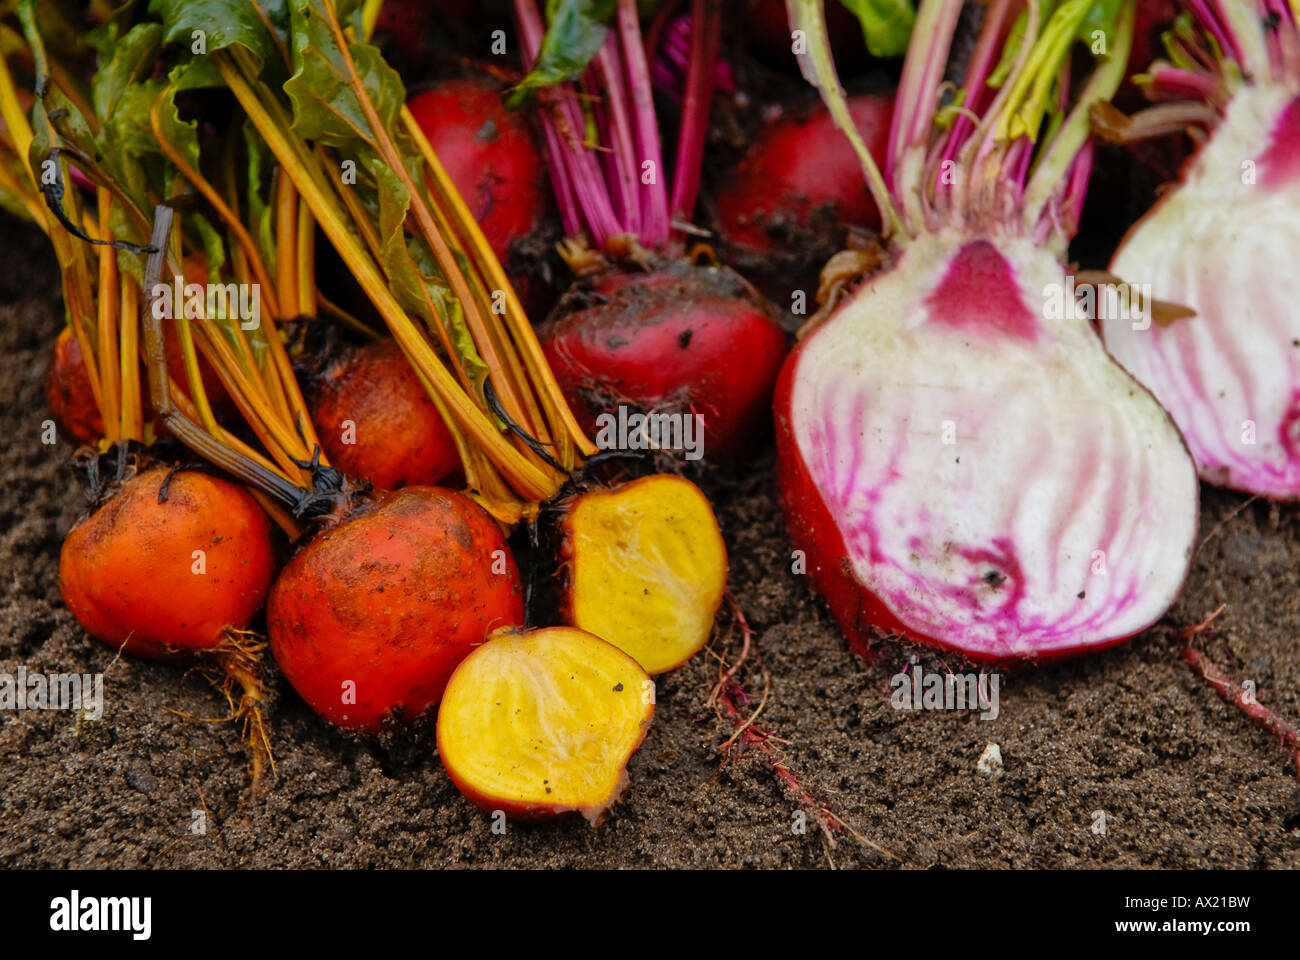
413	273
1100	18
886	24
261	211
1010	50
258	25
105	37
325	107
575	32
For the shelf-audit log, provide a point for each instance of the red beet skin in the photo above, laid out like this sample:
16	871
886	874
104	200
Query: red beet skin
801	181
813	531
688	339
489	153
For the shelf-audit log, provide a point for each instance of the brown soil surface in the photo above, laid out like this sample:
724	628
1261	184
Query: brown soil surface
1185	780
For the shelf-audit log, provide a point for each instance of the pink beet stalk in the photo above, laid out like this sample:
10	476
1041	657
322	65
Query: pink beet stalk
618	188
706	26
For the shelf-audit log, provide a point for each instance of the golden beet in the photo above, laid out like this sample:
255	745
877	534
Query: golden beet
648	568
543	722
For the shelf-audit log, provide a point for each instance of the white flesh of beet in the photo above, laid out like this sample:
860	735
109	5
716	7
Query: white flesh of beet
1001	485
1227	243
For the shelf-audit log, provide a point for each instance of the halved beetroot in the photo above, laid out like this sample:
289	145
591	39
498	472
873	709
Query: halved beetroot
1224	244
539	723
647	568
959	468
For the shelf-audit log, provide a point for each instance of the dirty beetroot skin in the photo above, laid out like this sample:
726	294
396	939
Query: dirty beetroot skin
391	600
801	181
398	437
989	544
128	569
681	339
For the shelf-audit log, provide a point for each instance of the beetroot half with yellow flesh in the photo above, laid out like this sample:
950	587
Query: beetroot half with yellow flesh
543	722
648	568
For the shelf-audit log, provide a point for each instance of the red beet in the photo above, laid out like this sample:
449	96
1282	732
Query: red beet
489	153
801	181
787	206
681	339
376	421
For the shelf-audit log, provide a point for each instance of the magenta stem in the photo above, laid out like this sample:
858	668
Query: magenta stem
1175	82
621	161
987	51
1210	20
655	222
706	26
580	188
918	90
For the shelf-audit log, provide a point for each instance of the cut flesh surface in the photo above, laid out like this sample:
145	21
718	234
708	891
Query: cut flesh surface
649	568
998	483
542	722
1227	244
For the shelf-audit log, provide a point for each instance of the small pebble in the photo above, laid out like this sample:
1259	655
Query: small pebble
990	761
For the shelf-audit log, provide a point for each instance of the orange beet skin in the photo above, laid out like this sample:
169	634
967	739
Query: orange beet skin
132	568
376	421
372	616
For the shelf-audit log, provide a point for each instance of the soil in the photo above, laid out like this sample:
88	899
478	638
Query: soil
1184	779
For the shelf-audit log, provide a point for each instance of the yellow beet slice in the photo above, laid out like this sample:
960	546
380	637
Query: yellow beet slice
543	722
648	568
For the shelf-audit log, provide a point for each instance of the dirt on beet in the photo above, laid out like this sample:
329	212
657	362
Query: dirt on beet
1180	778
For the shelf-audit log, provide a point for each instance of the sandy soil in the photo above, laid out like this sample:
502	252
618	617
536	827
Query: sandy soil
1184	779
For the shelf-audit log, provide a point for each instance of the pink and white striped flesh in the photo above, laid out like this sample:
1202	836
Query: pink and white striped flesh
996	482
1225	243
